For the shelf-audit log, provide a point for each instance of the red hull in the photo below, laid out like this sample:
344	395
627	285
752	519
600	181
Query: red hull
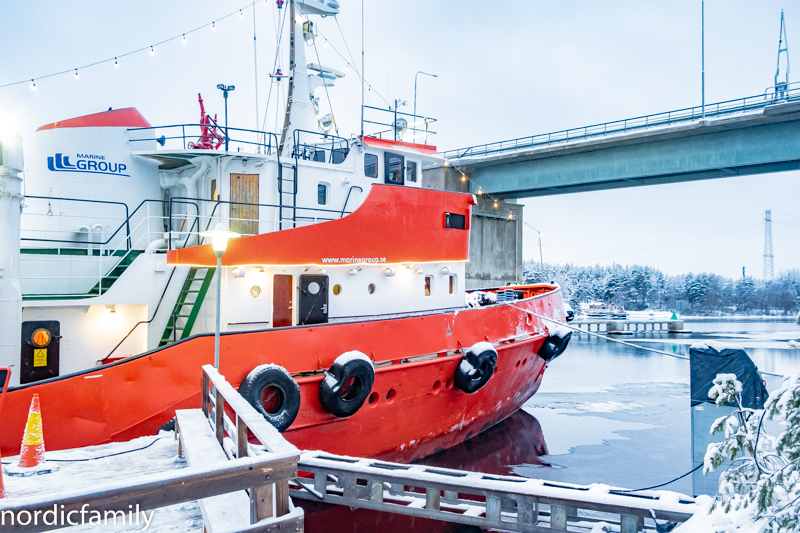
135	396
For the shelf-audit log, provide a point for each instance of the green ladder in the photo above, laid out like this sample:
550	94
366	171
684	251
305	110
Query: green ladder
114	274
188	305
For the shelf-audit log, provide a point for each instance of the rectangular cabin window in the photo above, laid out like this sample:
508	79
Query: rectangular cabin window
214	190
428	285
452	284
411	171
371	165
394	168
455	221
322	194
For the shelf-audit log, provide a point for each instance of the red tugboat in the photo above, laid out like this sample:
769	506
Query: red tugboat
343	312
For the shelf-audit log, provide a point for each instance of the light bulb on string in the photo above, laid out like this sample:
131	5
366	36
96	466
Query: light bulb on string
480	191
348	67
240	13
116	63
326	42
152	51
463	177
495	204
76	74
214	25
33	85
184	38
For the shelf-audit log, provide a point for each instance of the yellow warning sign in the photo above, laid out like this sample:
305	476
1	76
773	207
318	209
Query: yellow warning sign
40	357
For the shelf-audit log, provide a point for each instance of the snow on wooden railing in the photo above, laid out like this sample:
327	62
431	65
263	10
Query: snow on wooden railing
154	491
233	438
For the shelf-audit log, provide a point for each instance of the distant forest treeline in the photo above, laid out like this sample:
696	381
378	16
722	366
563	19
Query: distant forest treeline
639	287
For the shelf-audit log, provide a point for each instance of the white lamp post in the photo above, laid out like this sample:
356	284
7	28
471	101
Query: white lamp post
541	255
219	243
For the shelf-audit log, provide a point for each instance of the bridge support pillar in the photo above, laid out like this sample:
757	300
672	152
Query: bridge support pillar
495	243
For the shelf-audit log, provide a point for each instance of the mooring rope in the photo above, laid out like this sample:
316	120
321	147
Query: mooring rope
573	328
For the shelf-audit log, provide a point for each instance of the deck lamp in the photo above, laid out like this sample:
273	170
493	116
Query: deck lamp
219	243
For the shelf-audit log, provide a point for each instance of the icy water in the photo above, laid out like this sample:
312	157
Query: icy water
614	414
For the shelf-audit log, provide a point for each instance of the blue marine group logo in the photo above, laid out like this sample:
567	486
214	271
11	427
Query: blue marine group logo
87	163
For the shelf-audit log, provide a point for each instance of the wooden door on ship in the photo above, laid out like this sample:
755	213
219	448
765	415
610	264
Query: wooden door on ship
244	217
281	300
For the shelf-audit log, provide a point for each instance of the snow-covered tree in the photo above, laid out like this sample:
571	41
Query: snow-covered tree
764	477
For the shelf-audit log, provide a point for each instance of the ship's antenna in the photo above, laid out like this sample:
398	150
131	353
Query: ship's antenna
783	46
255	67
362	69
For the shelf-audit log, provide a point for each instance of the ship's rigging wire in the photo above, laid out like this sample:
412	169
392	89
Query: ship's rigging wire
255	66
573	328
275	66
116	57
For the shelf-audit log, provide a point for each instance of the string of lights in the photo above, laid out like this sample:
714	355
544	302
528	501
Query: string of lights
151	48
479	193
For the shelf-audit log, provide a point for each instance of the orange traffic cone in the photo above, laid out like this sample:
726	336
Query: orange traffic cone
32	452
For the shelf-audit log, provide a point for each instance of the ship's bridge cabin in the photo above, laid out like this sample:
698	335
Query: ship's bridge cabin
108	197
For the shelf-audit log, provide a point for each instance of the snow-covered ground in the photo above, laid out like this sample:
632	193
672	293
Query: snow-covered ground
73	472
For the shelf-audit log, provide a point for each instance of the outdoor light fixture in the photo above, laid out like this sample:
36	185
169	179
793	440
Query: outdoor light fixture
116	63
219	243
33	85
76	74
225	90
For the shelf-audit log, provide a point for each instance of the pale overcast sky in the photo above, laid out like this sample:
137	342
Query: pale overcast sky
505	69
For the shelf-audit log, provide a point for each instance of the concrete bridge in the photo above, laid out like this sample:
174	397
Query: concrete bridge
739	137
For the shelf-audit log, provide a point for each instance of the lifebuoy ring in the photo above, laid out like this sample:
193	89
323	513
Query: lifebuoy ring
274	393
347	384
555	344
475	369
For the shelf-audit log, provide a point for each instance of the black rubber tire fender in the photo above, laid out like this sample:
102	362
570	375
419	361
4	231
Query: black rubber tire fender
553	346
278	378
481	361
347	384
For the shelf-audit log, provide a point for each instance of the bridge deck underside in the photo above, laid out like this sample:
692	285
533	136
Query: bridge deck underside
766	142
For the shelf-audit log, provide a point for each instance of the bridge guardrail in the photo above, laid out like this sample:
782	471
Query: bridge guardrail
741	105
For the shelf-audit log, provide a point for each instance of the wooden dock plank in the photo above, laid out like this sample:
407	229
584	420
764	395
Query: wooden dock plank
201	448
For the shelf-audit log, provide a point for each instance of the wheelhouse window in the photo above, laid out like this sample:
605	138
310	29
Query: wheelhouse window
371	165
322	193
411	171
394	168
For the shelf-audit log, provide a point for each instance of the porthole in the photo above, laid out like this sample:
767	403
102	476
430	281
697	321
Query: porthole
371	288
313	287
337	289
372	398
255	291
390	395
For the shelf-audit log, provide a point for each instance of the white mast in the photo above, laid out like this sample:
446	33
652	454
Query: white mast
301	111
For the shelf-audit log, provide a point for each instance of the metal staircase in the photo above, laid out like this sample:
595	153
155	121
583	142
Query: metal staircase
114	274
188	304
287	197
